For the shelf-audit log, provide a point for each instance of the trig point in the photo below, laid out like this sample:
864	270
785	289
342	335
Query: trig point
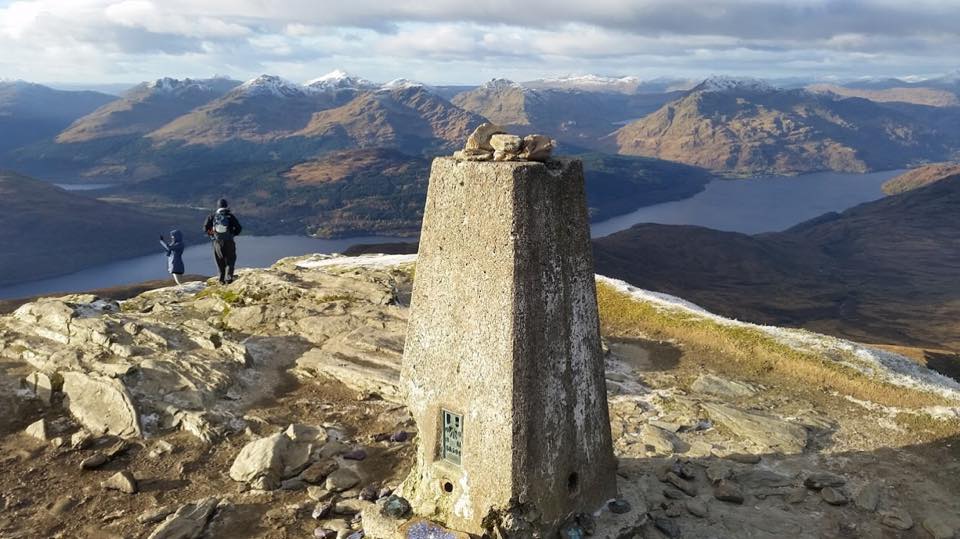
502	368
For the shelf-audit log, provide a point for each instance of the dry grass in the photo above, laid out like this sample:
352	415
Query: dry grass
752	352
924	426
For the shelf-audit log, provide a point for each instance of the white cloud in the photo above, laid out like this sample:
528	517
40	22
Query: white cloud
452	40
148	16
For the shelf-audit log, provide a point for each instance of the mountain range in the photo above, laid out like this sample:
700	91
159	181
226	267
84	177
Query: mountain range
731	126
568	113
746	127
32	112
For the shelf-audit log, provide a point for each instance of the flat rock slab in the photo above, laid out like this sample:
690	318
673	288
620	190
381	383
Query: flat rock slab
269	460
101	404
610	525
189	521
766	431
714	385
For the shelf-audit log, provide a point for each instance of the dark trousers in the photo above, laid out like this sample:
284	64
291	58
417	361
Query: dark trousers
225	251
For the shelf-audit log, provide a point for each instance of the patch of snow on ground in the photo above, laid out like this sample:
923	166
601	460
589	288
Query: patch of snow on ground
96	308
880	364
192	287
324	261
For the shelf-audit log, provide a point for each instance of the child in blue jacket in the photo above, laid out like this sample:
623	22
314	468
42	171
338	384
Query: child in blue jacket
174	254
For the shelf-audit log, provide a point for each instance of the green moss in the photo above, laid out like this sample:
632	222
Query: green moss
232	297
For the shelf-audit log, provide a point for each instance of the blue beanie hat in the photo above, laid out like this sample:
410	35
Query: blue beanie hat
222	203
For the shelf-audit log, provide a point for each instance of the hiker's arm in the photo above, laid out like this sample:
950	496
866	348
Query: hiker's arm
236	226
208	226
165	246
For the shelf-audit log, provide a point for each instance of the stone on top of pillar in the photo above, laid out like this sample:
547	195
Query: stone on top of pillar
490	142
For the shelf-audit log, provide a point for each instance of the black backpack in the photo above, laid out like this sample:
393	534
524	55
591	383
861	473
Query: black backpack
223	228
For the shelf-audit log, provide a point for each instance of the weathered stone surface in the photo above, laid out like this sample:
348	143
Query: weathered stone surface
320	494
868	498
763	430
819	480
270	460
725	491
506	143
715	385
299	432
152	516
763	479
50	317
697	507
941	526
377	525
188	522
668	527
94	461
662	441
834	496
505	289
341	480
897	518
43	385
473	156
38	430
479	140
351	507
80	439
395	507
316	473
122	481
102	405
688	488
537	148
718	471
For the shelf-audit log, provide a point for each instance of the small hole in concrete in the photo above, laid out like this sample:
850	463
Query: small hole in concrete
447	487
573	483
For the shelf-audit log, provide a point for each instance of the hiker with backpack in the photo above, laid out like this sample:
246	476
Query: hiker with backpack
222	226
174	254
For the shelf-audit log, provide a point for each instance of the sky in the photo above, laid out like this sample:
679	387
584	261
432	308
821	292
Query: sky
470	41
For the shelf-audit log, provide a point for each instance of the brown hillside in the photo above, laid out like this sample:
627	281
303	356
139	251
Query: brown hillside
400	117
920	177
144	108
745	131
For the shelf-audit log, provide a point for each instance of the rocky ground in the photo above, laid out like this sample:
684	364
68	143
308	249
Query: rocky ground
269	409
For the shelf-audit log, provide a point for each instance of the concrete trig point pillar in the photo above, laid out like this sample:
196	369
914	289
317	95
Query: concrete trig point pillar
502	368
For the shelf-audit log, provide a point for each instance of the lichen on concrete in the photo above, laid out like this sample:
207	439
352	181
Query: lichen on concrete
504	332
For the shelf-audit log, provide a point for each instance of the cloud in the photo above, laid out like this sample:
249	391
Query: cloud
447	40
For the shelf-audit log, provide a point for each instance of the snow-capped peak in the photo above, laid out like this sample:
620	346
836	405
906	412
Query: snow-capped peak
401	84
271	85
588	83
338	80
500	84
171	85
722	83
